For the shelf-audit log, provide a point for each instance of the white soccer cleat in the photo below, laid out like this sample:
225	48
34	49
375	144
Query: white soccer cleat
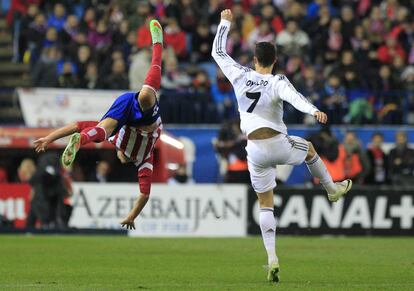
342	188
273	272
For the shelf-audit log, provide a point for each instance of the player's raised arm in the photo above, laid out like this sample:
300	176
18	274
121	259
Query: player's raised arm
288	93
231	69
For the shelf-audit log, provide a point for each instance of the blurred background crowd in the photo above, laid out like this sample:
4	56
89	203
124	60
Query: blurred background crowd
353	59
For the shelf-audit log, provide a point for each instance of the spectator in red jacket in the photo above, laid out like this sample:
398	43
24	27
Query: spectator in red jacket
18	8
378	160
389	50
144	35
176	38
269	14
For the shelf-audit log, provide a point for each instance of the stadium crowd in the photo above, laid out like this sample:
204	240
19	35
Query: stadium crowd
353	59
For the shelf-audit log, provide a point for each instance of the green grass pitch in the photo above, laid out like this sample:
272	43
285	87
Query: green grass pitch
122	263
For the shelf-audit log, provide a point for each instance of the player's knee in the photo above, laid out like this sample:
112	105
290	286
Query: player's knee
108	124
265	199
311	151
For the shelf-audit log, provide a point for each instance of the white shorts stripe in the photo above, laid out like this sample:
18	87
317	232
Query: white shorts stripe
120	137
131	143
143	146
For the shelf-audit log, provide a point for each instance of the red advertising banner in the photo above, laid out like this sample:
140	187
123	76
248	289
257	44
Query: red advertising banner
15	203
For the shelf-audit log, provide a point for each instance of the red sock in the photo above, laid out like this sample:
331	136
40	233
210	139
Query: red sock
92	134
144	181
84	124
153	78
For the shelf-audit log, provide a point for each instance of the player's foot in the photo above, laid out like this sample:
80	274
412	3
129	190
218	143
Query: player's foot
71	149
342	188
156	32
273	273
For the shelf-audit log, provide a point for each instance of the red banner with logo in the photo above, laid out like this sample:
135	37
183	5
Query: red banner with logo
15	203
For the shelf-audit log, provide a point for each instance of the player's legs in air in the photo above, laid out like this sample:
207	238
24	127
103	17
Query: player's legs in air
318	170
146	99
262	158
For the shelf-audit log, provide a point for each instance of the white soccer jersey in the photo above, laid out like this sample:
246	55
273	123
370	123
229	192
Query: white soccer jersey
259	97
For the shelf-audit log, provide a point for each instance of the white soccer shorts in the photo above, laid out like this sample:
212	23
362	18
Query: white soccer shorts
264	155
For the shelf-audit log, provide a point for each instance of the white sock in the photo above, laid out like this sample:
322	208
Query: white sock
318	169
268	228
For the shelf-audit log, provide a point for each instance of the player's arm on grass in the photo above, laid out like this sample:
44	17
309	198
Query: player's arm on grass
139	204
288	93
231	69
42	143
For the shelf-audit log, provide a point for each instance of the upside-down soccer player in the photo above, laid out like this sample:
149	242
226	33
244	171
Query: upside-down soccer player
133	124
260	97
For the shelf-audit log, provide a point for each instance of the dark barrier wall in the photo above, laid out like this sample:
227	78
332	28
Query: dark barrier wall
368	211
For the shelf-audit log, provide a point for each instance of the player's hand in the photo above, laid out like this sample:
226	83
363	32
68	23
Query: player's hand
227	15
128	223
321	117
41	144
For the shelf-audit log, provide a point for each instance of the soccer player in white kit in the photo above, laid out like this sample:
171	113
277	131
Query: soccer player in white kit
260	97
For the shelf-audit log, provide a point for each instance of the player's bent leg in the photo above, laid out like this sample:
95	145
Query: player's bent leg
96	134
268	228
318	169
109	125
311	152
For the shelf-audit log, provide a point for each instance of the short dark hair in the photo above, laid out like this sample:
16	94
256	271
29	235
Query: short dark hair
265	53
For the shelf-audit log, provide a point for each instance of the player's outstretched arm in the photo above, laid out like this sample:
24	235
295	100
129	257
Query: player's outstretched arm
42	143
231	69
288	93
140	203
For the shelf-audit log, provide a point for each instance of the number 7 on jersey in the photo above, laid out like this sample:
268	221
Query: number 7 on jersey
254	96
